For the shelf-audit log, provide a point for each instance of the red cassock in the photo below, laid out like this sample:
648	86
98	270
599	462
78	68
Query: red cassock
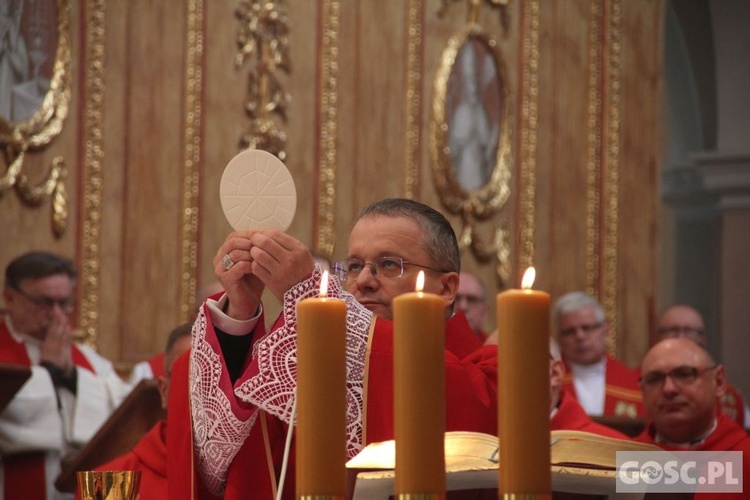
252	471
571	417
732	404
622	393
728	436
150	457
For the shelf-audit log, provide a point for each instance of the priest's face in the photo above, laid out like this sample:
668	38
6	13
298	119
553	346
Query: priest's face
582	336
401	238
680	385
37	302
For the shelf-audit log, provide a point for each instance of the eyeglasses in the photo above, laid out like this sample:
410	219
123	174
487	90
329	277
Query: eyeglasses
682	375
383	267
678	330
587	329
67	304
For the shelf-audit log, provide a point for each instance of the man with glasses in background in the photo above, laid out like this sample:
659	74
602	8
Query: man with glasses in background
680	384
683	321
602	384
72	390
471	299
241	379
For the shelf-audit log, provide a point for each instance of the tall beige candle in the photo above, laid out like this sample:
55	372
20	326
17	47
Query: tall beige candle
321	397
523	392
419	392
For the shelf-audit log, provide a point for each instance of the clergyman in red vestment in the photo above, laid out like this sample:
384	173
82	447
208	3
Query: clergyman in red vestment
230	402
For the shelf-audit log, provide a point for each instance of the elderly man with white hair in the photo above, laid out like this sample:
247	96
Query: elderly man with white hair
602	384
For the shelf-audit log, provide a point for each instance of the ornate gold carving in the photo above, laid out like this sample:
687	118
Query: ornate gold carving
328	129
612	173
529	125
263	33
17	138
192	158
93	160
473	7
413	97
472	204
594	139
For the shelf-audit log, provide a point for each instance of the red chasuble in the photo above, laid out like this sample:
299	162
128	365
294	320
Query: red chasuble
254	471
24	472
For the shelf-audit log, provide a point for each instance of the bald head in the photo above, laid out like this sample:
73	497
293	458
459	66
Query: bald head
677	349
681	321
680	385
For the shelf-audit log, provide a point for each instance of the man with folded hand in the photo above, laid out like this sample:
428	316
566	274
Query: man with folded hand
72	390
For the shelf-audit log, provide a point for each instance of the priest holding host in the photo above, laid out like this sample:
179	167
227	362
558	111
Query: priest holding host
231	400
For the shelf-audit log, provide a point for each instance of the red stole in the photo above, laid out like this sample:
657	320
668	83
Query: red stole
24	473
570	416
472	406
622	394
732	405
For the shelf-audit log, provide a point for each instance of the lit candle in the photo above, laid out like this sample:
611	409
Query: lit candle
321	396
419	393
523	391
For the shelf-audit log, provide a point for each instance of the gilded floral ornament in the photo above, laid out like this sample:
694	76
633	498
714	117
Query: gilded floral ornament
34	97
263	37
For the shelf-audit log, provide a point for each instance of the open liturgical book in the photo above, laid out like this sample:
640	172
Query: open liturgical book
581	462
476	451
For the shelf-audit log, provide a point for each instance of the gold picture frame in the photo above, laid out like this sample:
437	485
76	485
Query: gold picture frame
470	134
34	95
464	70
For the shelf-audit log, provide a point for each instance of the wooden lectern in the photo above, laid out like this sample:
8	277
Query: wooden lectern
137	414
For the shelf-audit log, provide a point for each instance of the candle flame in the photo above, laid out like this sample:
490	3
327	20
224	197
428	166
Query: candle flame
324	284
528	278
420	282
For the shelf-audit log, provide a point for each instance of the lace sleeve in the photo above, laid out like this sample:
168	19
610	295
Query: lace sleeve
273	387
220	425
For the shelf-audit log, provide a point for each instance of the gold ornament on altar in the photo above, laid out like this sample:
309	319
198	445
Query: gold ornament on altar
109	485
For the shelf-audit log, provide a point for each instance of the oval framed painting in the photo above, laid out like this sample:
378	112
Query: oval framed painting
470	127
34	69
